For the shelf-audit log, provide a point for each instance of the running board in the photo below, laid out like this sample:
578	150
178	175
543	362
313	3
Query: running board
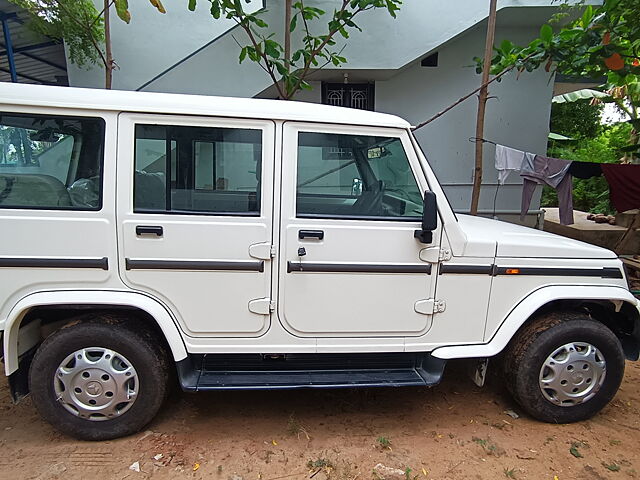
287	371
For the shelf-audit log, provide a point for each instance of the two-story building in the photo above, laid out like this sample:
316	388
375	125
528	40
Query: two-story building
413	66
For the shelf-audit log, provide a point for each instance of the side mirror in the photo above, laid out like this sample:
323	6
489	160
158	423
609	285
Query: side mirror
429	218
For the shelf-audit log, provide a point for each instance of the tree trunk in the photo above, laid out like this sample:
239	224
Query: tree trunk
287	31
287	42
108	68
621	245
635	140
482	105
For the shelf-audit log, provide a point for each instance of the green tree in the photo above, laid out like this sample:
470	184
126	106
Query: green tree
577	119
289	66
603	42
608	146
84	29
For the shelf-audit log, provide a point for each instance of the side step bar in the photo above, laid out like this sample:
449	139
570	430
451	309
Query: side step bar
287	371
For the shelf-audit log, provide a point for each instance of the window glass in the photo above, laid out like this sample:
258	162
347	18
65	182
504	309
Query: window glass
50	162
211	170
355	176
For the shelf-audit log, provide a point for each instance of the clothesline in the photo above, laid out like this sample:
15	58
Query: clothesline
483	140
623	179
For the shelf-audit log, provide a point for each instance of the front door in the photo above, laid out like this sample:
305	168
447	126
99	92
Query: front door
350	265
194	215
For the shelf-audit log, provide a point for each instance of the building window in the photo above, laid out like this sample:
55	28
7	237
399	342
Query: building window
351	95
430	61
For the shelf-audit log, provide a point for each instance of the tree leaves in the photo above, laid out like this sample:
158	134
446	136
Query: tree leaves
584	94
77	22
122	9
603	42
315	51
272	48
158	5
546	33
587	17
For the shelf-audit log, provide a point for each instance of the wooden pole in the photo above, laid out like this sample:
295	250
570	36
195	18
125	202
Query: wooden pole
625	239
107	42
287	30
482	105
287	40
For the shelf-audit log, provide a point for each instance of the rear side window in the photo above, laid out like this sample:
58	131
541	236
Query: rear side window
202	170
51	162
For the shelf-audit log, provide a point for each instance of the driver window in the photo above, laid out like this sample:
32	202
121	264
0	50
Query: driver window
355	176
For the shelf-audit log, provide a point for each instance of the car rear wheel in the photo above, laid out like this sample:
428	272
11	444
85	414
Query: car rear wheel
97	380
564	367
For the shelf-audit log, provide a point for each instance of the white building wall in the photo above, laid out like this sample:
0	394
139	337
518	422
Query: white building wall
153	42
190	52
517	115
182	58
215	69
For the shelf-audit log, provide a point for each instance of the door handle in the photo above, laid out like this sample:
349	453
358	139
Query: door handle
149	230
319	234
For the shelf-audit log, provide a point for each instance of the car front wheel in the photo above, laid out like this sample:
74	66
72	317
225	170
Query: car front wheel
564	367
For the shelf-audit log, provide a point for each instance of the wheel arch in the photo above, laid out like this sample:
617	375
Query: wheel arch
614	306
83	300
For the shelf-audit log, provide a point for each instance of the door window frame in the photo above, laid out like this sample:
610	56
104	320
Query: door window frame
71	114
290	154
127	121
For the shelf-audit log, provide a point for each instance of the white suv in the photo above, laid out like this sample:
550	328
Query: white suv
249	244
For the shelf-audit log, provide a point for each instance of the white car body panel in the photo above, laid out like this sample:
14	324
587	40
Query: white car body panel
351	304
522	242
525	309
179	104
197	298
88	297
273	311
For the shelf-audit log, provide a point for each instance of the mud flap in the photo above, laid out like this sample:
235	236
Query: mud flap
479	371
19	380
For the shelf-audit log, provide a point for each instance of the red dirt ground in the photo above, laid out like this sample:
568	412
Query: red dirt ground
453	431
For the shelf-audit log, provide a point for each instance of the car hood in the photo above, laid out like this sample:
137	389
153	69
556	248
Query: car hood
486	237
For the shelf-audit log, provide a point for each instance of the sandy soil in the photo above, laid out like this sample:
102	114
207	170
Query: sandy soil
453	431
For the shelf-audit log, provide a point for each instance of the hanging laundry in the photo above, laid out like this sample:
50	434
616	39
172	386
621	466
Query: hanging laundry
507	160
538	170
585	170
624	185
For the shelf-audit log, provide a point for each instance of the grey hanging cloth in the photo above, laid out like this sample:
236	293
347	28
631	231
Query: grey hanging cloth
554	172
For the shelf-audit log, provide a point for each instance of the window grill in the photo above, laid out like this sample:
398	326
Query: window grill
351	95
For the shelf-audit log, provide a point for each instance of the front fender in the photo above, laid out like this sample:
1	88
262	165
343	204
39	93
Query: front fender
88	297
527	307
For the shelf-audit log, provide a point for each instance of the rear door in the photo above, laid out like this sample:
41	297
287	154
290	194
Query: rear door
350	265
194	215
56	202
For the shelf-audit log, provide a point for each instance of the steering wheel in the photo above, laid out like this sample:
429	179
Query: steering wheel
370	202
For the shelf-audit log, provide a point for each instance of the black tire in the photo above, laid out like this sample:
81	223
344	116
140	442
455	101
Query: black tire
527	352
140	347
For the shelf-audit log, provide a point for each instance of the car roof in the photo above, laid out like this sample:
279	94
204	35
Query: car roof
180	104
